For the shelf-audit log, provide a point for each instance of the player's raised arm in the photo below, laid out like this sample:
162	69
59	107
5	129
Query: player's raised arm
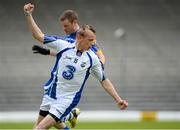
108	86
35	30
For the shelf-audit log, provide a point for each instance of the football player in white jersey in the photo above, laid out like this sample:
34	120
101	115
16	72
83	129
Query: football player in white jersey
73	65
70	24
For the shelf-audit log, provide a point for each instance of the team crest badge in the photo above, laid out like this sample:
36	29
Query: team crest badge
83	64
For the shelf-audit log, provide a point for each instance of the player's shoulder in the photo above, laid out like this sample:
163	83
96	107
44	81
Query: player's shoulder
66	42
51	38
93	56
91	53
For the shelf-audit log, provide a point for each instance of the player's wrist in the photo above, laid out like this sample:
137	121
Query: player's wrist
48	52
26	13
119	102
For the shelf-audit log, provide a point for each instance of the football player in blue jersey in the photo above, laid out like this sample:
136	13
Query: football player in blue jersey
70	24
74	62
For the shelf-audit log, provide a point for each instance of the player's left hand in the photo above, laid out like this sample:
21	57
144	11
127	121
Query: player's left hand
123	104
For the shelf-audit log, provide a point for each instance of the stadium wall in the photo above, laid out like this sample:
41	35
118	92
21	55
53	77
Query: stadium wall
30	116
143	63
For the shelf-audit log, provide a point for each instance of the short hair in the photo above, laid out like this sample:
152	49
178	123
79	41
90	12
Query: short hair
83	29
70	15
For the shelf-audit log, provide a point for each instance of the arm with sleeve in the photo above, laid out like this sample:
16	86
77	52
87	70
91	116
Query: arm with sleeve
98	72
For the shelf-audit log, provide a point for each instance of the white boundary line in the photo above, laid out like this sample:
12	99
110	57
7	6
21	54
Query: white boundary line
29	116
104	129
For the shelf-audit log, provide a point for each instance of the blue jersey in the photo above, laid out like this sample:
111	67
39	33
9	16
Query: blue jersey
71	36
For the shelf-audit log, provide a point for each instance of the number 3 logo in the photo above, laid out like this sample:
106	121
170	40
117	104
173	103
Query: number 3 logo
69	73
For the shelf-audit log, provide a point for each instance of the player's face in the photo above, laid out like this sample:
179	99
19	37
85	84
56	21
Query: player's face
87	41
67	26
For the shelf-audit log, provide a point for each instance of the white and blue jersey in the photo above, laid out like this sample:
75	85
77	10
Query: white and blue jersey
68	77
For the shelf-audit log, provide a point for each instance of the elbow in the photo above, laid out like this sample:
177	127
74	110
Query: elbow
39	37
103	59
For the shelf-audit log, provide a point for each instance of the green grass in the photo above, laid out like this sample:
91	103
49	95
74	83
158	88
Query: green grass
105	125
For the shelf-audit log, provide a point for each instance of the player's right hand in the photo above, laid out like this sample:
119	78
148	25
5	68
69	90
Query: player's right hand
40	50
29	8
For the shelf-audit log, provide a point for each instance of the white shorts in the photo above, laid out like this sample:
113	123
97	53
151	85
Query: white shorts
59	107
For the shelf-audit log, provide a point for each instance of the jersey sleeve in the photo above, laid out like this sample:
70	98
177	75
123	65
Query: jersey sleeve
97	70
55	43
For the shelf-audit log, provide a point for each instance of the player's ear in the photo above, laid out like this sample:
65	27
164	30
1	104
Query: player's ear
74	22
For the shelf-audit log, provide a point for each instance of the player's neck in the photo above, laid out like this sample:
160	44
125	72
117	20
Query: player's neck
76	27
79	48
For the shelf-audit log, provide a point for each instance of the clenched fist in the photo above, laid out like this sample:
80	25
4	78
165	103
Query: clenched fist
28	8
123	104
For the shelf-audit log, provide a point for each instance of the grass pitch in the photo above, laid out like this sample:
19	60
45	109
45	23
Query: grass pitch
168	125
